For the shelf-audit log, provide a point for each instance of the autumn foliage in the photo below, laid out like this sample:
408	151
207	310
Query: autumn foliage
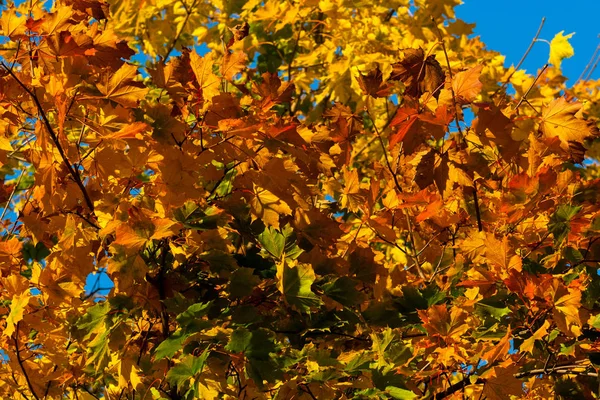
293	200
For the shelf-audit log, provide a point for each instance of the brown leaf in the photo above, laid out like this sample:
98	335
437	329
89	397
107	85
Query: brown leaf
414	128
419	74
372	83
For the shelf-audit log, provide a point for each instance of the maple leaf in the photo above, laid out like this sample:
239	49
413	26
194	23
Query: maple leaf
500	350
351	197
539	334
267	206
498	252
448	325
560	48
559	120
372	83
13	25
272	91
121	88
207	81
501	383
414	128
294	281
466	85
232	64
17	309
567	303
418	73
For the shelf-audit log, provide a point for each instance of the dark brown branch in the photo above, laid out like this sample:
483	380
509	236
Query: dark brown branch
557	370
477	211
524	98
20	361
74	173
188	13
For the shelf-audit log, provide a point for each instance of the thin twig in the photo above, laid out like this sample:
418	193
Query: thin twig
188	13
537	34
439	33
74	173
531	86
477	211
20	361
11	195
589	64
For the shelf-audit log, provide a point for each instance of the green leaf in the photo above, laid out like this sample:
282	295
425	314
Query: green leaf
596	323
171	345
189	367
343	290
400	394
191	319
360	362
99	351
295	283
256	344
272	241
493	308
278	243
94	320
559	224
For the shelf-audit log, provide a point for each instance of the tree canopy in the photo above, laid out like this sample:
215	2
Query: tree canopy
294	200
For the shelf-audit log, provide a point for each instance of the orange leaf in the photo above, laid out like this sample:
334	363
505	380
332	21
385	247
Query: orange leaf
466	85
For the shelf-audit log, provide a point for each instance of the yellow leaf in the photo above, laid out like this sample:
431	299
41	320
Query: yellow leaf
232	64
351	199
267	206
566	305
208	391
528	343
13	25
121	88
57	21
560	48
559	120
128	373
500	254
17	308
132	131
499	351
208	82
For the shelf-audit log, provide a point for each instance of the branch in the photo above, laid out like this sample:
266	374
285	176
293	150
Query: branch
188	12
477	212
439	33
558	370
537	34
524	98
20	361
74	174
12	193
456	119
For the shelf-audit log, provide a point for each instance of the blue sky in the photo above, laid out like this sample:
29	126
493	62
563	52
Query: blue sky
508	26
